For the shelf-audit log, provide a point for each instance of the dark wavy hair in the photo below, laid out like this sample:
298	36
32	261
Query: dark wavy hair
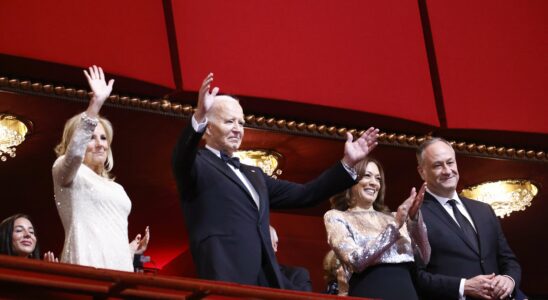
6	233
345	200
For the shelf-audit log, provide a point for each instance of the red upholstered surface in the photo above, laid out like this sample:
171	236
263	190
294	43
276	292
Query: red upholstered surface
361	55
364	56
493	61
367	56
126	37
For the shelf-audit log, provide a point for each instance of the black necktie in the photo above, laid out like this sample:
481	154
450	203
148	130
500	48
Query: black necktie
464	224
234	161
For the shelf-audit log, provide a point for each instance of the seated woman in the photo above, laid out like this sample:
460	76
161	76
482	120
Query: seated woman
18	238
294	277
376	247
93	208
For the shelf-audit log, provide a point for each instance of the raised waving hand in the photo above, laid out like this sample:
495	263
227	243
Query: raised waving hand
354	151
205	98
140	244
101	90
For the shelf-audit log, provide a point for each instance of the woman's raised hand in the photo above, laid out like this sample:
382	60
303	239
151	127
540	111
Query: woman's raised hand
410	207
417	202
403	209
101	90
139	245
50	257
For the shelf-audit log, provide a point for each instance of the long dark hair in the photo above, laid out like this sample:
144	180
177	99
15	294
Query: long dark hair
344	200
6	234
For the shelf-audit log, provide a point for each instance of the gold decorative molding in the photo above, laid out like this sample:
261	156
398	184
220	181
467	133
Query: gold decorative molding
176	109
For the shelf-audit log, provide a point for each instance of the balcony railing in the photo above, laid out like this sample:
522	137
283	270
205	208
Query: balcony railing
26	278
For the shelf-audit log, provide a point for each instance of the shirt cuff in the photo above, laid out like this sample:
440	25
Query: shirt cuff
461	289
513	281
198	127
351	171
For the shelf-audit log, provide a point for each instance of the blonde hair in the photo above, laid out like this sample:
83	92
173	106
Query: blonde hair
330	265
68	132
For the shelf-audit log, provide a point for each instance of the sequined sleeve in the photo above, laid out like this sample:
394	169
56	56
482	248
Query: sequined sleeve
65	169
342	240
419	237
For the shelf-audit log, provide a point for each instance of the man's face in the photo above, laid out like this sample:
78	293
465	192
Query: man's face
439	169
225	129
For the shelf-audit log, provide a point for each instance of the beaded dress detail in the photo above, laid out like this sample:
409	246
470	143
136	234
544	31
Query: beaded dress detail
93	209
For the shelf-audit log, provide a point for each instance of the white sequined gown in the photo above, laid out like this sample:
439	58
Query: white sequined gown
365	240
93	209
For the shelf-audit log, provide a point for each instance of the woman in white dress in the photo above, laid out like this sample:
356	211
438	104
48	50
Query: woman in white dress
93	208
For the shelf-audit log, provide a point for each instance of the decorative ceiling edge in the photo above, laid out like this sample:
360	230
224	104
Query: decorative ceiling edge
174	109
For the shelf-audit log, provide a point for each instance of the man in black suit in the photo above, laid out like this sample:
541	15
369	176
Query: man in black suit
226	205
294	277
470	256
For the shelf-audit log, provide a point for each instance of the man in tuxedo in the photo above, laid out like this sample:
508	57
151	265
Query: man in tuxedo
226	204
470	256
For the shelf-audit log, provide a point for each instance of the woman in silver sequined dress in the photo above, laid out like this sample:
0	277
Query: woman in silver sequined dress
93	208
377	247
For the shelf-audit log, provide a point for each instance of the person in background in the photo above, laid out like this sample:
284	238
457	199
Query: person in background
93	208
376	247
18	238
295	278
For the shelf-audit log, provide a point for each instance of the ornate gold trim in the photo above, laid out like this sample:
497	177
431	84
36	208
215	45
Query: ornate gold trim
177	109
504	196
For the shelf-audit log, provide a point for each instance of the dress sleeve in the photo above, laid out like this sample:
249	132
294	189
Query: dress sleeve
66	168
342	241
419	237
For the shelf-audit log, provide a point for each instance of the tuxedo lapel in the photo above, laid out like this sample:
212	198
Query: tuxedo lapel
220	165
254	177
441	214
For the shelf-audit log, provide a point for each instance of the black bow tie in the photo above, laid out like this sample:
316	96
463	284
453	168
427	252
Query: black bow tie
234	161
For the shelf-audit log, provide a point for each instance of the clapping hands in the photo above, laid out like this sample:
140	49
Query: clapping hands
410	207
139	245
50	257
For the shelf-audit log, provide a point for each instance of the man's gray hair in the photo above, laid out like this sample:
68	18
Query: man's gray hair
212	113
426	143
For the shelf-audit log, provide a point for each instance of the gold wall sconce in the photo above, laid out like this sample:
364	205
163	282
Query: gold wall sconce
12	133
504	196
268	160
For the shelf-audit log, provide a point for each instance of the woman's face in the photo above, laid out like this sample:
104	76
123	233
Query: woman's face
367	189
23	238
97	149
